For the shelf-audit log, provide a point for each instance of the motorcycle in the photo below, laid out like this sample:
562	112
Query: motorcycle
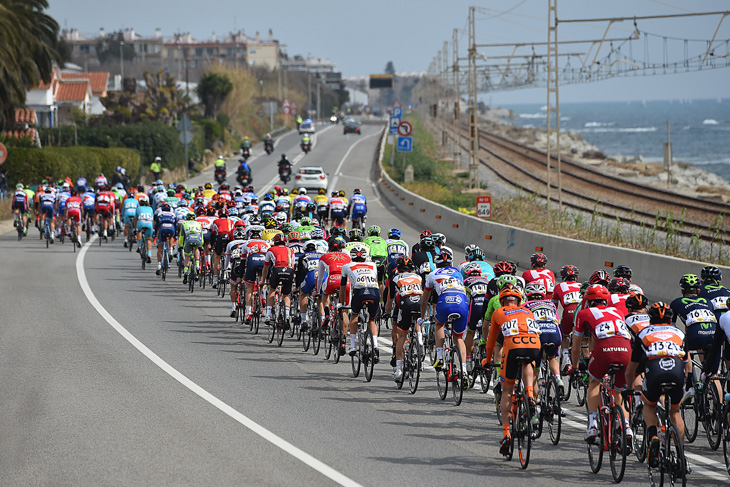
220	175
268	147
244	179
285	175
245	153
306	147
333	119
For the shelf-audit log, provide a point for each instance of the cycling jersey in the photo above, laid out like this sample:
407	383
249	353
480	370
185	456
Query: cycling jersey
636	322
73	208
306	275
129	209
61	198
662	346
487	270
618	301
21	201
329	270
378	247
165	224
516	324
612	340
697	315
191	235
476	291
546	316
47	201
321	245
567	294
545	276
269	233
717	296
280	256
362	275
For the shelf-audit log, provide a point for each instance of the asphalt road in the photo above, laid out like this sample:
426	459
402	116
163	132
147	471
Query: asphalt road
110	376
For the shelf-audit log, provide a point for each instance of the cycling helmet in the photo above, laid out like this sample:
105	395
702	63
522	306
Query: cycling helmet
336	244
225	185
284	192
199	211
597	292
254	233
477	255
278	239
538	259
317	233
535	288
310	247
286	228
20	186
190	216
445	257
660	313
514	268
306	221
502	268
439	239
334	194
425	233
304	236
270	224
472	270
506	279
322	191
223	213
359	253
404	264
239	233
468	249
338	232
166	207
357	191
599	277
427	242
569	272
689	282
341	193
268	197
254	220
280	218
636	301
208	186
623	270
374	231
302	190
394	233
619	285
118	186
294	236
510	292
711	273
355	235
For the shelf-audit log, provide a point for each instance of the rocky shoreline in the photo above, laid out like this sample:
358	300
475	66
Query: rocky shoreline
686	179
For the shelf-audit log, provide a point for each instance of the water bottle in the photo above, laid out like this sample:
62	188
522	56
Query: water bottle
727	397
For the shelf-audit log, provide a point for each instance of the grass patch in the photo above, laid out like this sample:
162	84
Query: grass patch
5	212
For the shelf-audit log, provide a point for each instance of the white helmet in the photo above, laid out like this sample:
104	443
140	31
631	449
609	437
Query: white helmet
359	253
302	190
280	218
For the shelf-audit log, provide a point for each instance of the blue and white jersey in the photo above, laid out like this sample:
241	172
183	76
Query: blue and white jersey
182	212
446	280
144	216
165	219
61	198
267	207
81	184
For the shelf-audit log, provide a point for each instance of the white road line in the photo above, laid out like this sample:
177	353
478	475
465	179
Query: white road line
264	433
333	183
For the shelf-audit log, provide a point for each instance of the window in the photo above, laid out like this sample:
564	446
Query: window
252	52
198	52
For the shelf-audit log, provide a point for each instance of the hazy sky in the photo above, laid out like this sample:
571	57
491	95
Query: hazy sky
360	37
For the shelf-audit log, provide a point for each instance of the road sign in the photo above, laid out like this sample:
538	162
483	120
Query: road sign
405	144
287	103
397	104
397	112
186	137
394	122
260	112
293	108
3	153
185	123
405	129
484	206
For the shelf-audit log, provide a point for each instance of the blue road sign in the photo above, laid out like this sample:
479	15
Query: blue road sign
394	122
405	144
397	112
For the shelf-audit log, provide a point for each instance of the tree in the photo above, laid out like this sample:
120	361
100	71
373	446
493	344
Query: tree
161	102
389	68
109	48
213	90
28	48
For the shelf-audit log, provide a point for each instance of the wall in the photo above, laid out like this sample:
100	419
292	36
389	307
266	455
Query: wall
657	274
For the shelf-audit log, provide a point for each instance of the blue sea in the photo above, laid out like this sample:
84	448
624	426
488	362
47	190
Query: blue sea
699	129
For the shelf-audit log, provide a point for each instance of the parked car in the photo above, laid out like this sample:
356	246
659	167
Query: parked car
311	177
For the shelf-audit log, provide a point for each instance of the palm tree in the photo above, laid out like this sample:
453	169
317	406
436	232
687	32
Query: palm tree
28	48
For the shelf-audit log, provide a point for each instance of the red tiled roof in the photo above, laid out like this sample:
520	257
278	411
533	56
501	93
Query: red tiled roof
18	134
98	80
25	115
75	90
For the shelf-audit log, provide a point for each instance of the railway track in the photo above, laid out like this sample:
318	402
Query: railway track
587	189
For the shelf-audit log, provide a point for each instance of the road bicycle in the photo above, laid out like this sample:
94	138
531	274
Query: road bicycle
365	351
88	225
312	320
256	307
192	272
130	238
412	356
611	429
479	372
47	231
278	326
672	465
635	409
165	259
549	399
18	223
452	370
703	407
317	332
294	325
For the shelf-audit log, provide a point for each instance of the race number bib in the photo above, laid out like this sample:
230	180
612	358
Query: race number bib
697	316
571	298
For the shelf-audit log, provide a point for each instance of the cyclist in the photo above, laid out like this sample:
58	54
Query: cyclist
362	277
622	270
696	314
619	289
637	319
322	203
73	213
104	208
447	282
711	289
165	225
661	345
306	277
424	254
129	213
253	252
47	201
405	292
280	259
220	234
355	238
538	261
101	181
612	345
476	255
191	241
378	250
338	210
329	278
357	208
208	192
546	316
567	295
476	290
516	324
21	207
144	218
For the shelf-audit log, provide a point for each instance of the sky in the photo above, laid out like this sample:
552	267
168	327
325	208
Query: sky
361	37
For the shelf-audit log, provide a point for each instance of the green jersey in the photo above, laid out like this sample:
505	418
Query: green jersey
350	245
305	228
378	246
189	227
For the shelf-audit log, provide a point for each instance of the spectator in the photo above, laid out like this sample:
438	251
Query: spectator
156	168
3	183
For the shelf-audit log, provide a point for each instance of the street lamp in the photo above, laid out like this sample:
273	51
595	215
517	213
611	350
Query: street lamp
261	88
121	58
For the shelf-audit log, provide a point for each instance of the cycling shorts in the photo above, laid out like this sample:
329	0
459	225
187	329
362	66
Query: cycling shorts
145	228
283	276
192	242
699	336
206	237
358	213
337	216
453	303
550	341
607	351
408	306
309	282
221	241
661	371
566	321
74	215
20	205
366	294
380	265
89	209
476	313
103	211
331	284
254	265
129	216
167	230
48	210
510	365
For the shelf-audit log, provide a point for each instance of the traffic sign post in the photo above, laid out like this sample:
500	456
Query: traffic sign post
396	112
405	144
185	128
394	123
484	206
3	153
405	129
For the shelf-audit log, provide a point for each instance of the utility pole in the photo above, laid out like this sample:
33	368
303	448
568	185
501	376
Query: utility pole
553	90
473	126
318	97
121	58
445	83
187	79
457	93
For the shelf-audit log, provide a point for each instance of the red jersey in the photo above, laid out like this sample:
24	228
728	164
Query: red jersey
105	199
602	322
252	247
74	203
205	222
618	301
545	276
331	263
225	195
280	256
567	294
222	226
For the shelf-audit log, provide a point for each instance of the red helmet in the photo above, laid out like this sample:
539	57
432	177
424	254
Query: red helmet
538	259
278	238
619	285
597	292
501	268
426	233
569	271
599	277
223	213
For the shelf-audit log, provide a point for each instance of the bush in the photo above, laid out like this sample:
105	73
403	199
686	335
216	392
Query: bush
30	166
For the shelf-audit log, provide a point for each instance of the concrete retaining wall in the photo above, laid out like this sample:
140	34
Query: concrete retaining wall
658	275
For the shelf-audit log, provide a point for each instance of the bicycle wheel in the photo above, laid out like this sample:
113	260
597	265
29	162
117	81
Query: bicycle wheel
280	327
595	448
306	339
328	341
293	320
368	354
164	265
271	327
431	340
355	359
316	338
581	391
688	409
191	278
673	464
542	402
497	402
413	358
144	260
713	415
337	343
617	444
726	435
456	374
523	431
552	415
442	381
639	427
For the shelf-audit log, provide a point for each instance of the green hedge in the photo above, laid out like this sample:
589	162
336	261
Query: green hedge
30	166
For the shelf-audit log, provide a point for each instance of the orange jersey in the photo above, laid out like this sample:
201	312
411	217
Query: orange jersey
662	342
517	325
